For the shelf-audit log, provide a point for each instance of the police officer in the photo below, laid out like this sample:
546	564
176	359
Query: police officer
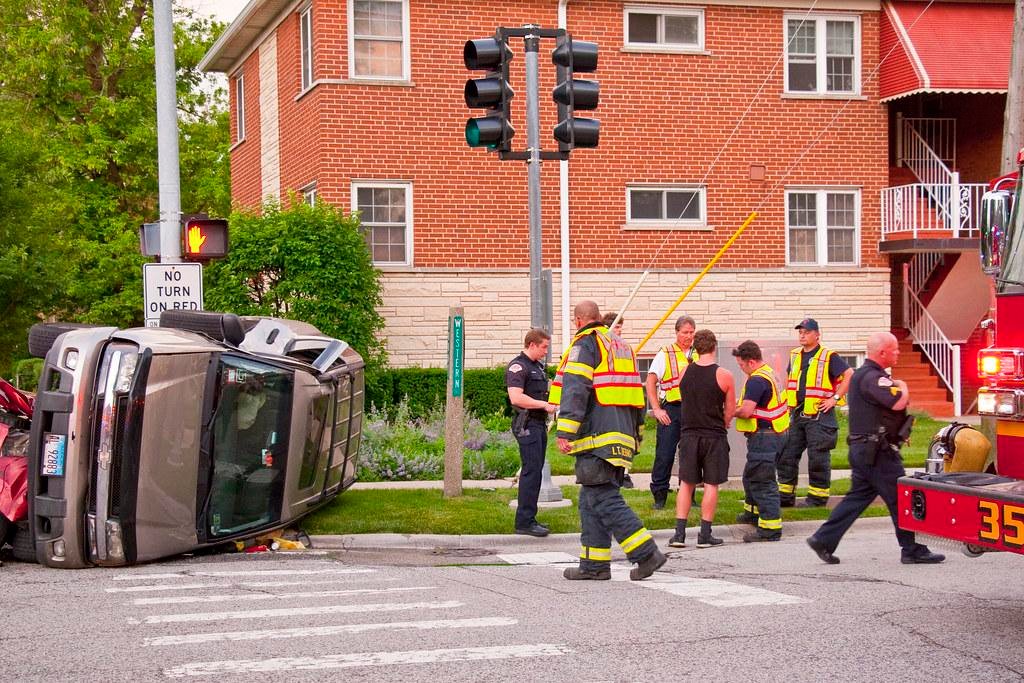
818	380
763	417
878	406
527	383
662	385
600	411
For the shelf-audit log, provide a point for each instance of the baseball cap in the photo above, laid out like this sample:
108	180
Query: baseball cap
809	324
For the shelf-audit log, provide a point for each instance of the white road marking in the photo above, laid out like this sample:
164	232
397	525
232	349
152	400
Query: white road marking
167	587
281	584
539	558
247	584
345	661
714	591
312	631
293	611
192	573
244	597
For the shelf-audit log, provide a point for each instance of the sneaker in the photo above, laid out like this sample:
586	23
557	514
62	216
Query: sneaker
577	574
647	566
708	541
746	518
677	541
754	537
823	554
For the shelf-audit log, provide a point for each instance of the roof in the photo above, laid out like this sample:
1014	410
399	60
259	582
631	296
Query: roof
955	47
242	34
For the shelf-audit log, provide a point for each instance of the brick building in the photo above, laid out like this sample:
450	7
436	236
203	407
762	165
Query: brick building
712	110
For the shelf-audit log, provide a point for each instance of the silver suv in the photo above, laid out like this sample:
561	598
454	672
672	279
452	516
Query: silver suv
210	428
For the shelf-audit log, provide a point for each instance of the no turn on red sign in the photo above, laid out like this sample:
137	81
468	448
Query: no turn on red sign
171	287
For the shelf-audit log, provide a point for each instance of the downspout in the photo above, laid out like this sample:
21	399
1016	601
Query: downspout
563	214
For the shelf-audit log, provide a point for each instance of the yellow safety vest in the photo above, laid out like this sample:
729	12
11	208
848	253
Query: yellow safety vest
615	378
818	386
776	412
675	365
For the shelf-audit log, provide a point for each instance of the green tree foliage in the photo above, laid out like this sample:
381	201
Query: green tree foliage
306	263
77	83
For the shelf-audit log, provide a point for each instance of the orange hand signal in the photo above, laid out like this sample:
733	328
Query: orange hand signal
196	238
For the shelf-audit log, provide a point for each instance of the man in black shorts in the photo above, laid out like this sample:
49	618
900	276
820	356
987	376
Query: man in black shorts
707	411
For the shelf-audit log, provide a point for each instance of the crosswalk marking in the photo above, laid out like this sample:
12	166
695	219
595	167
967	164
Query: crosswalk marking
338	629
713	591
245	584
192	573
538	558
293	611
344	661
244	597
169	587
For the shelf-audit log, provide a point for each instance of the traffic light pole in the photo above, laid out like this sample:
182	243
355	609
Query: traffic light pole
538	318
167	133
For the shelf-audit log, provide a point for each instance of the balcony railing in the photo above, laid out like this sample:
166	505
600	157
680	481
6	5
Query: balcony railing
912	208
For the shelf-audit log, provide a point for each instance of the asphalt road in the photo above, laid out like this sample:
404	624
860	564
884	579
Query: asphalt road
482	612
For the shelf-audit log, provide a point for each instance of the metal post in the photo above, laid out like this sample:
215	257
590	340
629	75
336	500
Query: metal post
954	202
957	388
167	133
532	48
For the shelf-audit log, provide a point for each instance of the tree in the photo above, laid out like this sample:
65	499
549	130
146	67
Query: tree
306	263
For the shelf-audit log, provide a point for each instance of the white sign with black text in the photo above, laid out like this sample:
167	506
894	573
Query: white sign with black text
171	287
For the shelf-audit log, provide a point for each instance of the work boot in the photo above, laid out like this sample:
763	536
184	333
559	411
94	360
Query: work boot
786	502
708	541
647	566
535	530
824	554
577	574
746	518
627	483
810	502
754	537
923	556
660	498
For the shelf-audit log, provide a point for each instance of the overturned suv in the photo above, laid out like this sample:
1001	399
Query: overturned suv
155	441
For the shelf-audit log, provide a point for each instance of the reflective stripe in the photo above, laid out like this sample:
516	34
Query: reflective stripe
787	488
750	508
636	540
676	363
815	390
567	425
581	369
607	439
599	554
615	378
775	413
815	491
772	524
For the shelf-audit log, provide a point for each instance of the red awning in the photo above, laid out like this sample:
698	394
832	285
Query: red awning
954	47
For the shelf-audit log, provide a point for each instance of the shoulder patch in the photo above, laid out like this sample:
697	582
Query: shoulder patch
574	354
884	381
515	367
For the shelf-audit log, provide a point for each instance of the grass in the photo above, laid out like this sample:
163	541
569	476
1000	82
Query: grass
486	511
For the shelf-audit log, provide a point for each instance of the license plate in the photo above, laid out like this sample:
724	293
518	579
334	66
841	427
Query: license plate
53	455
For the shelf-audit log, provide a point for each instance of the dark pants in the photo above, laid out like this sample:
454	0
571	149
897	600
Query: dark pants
533	443
759	481
868	482
817	435
603	514
665	450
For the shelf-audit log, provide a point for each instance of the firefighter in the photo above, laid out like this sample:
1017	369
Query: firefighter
818	381
763	417
600	412
663	394
878	409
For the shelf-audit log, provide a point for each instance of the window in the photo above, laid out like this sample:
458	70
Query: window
306	47
822	227
379	39
664	27
385	212
822	54
309	194
239	108
665	207
854	360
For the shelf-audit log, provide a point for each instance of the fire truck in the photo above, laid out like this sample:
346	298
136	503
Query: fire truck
969	498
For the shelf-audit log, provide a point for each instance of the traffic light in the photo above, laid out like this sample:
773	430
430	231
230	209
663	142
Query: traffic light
571	57
203	239
492	131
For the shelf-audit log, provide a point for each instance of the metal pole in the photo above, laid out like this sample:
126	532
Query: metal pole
1013	126
167	133
532	47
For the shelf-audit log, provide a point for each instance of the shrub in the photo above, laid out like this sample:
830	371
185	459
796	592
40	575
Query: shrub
424	389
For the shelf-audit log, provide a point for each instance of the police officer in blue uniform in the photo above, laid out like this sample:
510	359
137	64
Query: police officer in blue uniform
878	406
527	382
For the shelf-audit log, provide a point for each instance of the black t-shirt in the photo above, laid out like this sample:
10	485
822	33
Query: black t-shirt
532	378
871	398
758	390
836	367
703	409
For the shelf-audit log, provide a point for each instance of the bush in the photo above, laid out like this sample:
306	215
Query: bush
424	390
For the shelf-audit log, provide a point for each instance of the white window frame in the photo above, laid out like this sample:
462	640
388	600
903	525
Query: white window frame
306	48
667	223
239	108
389	184
662	46
821	226
406	67
821	58
309	193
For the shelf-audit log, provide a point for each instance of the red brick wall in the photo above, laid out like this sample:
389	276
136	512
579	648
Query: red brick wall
665	118
245	155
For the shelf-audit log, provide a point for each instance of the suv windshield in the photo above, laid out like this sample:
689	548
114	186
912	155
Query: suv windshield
249	446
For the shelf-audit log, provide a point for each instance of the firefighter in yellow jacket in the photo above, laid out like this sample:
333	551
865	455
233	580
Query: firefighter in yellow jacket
817	382
600	412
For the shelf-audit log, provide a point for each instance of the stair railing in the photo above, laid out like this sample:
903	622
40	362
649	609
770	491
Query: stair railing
940	184
941	353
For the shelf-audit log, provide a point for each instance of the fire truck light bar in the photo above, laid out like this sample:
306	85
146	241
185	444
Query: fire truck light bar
1007	404
997	363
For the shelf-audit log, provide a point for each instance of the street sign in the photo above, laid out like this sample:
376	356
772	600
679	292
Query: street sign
171	287
457	336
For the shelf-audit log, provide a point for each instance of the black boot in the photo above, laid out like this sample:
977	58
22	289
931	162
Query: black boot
647	566
577	574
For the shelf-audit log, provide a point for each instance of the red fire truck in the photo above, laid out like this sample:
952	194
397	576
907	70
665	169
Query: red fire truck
984	510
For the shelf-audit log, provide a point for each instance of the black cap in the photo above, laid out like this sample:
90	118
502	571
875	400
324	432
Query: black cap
748	350
809	324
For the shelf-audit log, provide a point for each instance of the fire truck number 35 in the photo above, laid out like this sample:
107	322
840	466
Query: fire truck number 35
1011	528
